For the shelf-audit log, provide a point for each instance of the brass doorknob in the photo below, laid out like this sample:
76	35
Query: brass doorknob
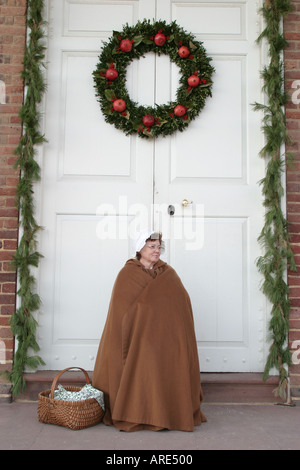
185	202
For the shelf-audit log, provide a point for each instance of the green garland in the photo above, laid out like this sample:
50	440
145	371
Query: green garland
23	324
133	43
274	236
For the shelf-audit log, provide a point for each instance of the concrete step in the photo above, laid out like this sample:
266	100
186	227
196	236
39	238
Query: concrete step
217	387
238	388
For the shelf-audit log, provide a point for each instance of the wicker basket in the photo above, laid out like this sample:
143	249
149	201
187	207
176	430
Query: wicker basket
71	414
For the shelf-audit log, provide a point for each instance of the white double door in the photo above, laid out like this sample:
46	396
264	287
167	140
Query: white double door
99	187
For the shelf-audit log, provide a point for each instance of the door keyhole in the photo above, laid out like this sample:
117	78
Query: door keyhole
171	210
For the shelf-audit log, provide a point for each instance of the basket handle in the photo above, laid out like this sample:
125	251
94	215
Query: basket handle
62	372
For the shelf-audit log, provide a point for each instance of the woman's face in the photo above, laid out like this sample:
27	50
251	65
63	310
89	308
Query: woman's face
150	253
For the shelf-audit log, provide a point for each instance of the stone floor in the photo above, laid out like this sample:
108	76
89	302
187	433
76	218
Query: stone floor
229	427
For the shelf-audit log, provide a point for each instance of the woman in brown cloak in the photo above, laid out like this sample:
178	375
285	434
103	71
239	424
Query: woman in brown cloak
147	363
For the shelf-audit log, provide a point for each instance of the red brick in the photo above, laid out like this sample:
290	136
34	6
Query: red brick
10	244
8	267
7	277
294	292
11	223
292	36
8	288
9	234
295	324
4	321
7	309
294	375
5	332
294	280
13	11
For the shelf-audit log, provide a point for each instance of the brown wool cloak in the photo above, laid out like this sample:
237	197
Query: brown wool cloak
147	363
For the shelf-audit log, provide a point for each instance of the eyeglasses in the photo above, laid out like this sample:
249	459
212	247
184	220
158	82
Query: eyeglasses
154	247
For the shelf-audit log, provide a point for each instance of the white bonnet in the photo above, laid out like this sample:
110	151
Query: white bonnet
142	237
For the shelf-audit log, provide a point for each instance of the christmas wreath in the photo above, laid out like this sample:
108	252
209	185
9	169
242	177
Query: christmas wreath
133	43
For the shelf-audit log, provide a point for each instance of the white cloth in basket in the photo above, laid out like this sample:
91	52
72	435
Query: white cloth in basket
85	393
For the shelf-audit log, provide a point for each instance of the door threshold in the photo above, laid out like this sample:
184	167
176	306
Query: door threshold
220	387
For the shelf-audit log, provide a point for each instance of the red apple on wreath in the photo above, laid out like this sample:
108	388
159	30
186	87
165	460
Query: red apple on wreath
119	105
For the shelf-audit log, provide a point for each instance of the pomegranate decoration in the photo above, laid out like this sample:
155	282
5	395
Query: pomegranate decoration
111	74
148	120
184	52
119	105
179	110
160	39
125	45
193	81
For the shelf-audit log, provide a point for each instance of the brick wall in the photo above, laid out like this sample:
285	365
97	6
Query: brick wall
292	72
12	41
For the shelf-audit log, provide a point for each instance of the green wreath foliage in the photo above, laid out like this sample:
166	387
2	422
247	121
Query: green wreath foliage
133	42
